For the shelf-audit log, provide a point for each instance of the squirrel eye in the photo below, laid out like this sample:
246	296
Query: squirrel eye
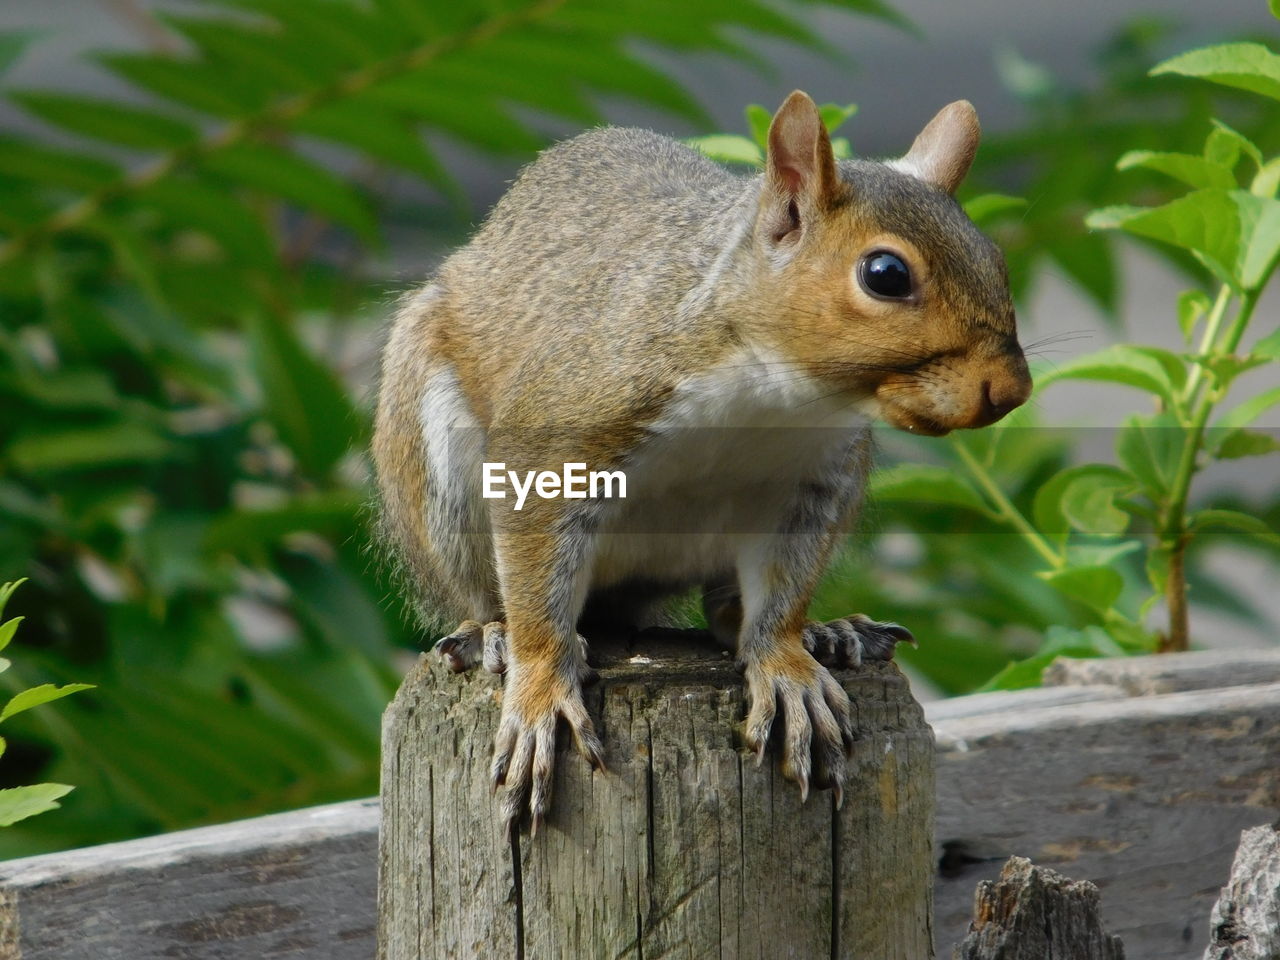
884	275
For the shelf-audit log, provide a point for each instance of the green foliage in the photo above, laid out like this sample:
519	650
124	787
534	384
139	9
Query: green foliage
1053	159
19	803
183	296
1230	222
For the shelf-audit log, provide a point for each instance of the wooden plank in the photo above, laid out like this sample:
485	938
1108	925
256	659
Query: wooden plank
298	885
1169	673
1144	796
684	849
1002	701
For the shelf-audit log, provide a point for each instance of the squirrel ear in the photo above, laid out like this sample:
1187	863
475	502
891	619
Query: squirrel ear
944	150
800	164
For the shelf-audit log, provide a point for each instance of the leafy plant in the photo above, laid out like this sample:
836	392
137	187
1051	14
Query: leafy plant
1232	227
18	803
1079	524
186	299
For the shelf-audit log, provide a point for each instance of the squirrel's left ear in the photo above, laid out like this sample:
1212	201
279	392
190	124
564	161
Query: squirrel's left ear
944	150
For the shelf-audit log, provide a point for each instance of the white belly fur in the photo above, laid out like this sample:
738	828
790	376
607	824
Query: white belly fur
721	470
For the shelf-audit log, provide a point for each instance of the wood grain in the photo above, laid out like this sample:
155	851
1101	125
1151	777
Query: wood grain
683	849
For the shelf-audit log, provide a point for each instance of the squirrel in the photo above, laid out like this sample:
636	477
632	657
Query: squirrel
726	342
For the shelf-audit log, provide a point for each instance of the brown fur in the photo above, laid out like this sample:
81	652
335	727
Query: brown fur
622	274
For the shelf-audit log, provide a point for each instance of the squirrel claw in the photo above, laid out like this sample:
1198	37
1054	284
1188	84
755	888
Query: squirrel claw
849	641
818	728
525	744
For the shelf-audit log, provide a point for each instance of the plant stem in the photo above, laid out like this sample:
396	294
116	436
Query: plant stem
1005	508
1211	327
1173	533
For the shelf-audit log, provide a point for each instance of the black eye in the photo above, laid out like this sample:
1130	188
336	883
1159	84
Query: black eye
884	275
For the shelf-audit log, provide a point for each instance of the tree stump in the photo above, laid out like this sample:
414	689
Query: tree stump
1032	913
683	848
1245	923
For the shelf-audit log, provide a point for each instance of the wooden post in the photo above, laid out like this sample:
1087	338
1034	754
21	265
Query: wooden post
683	848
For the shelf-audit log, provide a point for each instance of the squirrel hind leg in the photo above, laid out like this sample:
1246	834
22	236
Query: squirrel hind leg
849	641
473	643
722	608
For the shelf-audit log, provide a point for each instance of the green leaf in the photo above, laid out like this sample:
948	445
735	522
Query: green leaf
380	135
758	122
1149	447
1096	587
988	206
728	148
297	180
1245	66
1232	520
1192	306
327	514
1268	348
194	84
1245	443
18	803
13	43
922	483
1248	411
1274	5
197	204
1267	180
1234	233
1089	502
8	629
1060	641
1194	171
1225	144
34	697
261	59
1122	363
7	590
87	448
107	120
34	162
834	115
304	398
1048	510
1101	554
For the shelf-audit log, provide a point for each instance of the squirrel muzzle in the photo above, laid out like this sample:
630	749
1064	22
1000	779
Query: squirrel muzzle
956	392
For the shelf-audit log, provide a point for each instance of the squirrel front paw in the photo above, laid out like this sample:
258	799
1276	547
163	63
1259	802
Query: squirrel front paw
815	710
849	641
524	750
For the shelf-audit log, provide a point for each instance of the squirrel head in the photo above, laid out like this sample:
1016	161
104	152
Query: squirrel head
887	289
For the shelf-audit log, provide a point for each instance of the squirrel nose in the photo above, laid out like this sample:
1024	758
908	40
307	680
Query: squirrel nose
999	397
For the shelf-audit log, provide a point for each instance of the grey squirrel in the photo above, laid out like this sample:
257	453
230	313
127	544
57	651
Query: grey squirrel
631	305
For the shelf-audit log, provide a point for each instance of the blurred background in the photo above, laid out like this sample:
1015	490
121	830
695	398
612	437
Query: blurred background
208	208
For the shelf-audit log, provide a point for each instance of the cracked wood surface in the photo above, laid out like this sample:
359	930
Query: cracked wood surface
683	849
1145	795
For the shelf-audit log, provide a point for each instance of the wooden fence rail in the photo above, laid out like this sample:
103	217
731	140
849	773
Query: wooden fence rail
1136	774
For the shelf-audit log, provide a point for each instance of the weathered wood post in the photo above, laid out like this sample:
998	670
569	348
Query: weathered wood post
684	848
